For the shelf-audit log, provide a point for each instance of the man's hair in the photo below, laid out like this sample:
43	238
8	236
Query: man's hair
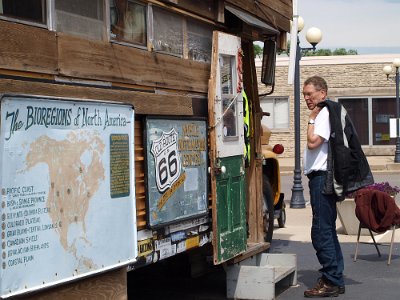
318	82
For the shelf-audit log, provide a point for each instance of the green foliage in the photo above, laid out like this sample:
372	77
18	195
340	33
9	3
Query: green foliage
317	52
329	52
258	50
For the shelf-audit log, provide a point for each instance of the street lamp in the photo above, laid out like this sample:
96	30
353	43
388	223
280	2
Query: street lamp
313	36
387	70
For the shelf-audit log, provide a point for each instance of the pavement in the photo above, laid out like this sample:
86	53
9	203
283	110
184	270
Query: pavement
368	278
377	164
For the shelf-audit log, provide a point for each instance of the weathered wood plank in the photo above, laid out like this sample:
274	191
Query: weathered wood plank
113	62
276	13
206	9
111	285
212	145
283	7
144	103
27	48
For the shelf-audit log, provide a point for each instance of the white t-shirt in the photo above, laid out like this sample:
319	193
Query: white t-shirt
316	159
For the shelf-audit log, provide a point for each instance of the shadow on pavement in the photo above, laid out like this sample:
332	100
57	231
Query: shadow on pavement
368	279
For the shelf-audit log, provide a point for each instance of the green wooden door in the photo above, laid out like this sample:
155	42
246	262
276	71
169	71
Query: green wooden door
226	133
231	209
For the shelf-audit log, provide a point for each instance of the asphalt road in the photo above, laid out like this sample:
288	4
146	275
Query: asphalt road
367	279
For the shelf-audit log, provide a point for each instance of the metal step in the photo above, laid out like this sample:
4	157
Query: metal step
257	276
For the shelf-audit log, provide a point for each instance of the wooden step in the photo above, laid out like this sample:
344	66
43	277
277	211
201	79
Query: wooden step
257	276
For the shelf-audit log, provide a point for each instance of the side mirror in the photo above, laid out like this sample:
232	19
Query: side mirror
268	63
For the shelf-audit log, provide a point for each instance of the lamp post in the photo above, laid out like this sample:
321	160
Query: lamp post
387	70
313	36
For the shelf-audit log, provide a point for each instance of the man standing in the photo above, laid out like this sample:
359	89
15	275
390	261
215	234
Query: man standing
323	231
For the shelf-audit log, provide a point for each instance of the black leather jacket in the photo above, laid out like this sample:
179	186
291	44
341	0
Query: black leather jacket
347	166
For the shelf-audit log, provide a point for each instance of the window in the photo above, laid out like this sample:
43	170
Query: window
128	21
168	32
181	36
382	110
357	108
278	107
199	41
83	18
370	117
229	102
25	10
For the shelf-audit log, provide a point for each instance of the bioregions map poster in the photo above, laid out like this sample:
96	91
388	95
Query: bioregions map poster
67	188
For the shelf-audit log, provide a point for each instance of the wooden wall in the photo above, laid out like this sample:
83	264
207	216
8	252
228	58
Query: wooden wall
277	13
111	285
30	49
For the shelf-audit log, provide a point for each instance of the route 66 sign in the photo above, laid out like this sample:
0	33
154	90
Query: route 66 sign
166	159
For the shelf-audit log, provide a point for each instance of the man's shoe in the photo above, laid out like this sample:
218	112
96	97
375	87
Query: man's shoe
342	289
322	289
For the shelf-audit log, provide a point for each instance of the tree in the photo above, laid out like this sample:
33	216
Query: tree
258	50
329	52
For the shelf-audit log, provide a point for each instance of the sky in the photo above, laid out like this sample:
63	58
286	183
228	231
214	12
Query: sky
369	26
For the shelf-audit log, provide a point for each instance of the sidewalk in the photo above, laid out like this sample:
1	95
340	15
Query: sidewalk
298	226
383	164
369	278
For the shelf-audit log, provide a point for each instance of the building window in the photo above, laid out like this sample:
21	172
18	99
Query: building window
83	18
181	36
168	32
128	21
199	41
278	107
24	10
357	108
371	118
382	110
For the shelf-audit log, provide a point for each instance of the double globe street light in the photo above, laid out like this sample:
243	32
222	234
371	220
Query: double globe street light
313	36
388	70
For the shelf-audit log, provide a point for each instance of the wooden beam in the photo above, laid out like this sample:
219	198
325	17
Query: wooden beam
203	8
110	285
144	103
82	58
252	249
276	13
27	48
212	142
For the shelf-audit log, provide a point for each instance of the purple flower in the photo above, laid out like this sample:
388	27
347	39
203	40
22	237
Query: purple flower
380	186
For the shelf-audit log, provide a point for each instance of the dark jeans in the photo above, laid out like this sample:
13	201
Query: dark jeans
323	232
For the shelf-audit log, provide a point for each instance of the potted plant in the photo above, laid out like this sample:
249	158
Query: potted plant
346	208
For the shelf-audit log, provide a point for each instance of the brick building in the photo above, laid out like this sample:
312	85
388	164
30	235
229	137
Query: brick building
356	81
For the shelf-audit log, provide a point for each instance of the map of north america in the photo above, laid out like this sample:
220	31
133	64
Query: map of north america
75	173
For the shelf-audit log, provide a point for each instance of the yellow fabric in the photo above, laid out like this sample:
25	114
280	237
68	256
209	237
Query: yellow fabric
246	121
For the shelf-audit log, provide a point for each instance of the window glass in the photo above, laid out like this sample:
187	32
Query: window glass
229	120
357	109
128	21
83	18
278	107
168	32
199	41
28	10
229	100
382	110
226	66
